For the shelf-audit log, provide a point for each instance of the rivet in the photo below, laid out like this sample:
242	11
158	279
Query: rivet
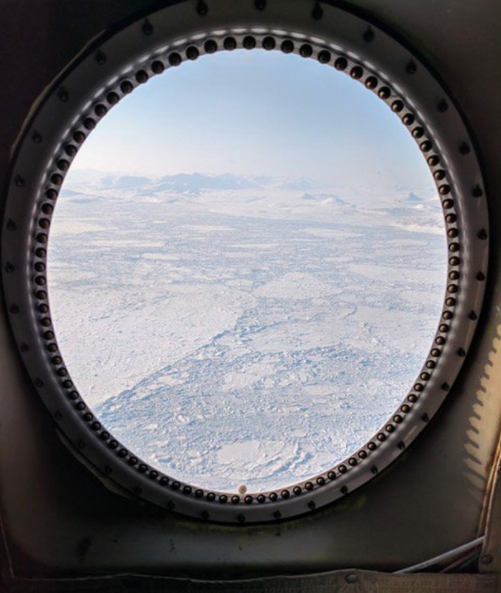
268	43
287	46
79	137
230	43
174	59
397	106
344	490
317	13
141	76
482	234
157	67
210	46
9	268
126	87
356	72
19	181
341	63
351	578
384	92
36	137
464	148
205	515
112	98
249	42
371	82
442	106
241	518
481	276
63	95
192	53
477	192
312	505
277	515
324	57
461	352
147	28
56	179
202	8
100	58
411	67
369	35
487	559
445	386
472	315
425	418
306	51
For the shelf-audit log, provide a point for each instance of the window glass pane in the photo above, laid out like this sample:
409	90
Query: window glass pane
246	269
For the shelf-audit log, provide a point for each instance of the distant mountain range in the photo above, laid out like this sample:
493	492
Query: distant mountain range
187	183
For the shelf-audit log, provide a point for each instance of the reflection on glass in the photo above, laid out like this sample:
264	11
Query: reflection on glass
244	293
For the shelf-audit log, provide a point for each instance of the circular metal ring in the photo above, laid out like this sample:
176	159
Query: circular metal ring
110	70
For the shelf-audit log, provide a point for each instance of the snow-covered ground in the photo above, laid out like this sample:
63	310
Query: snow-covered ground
243	331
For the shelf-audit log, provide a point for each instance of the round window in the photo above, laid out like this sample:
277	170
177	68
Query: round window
239	312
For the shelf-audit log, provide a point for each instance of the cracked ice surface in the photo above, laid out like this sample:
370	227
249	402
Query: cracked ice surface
251	336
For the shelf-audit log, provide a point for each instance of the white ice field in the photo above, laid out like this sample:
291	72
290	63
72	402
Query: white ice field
243	331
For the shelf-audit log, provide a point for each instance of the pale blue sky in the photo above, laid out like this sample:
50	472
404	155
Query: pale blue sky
256	113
